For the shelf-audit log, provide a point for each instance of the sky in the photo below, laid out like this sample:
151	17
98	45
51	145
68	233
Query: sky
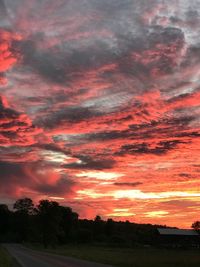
100	105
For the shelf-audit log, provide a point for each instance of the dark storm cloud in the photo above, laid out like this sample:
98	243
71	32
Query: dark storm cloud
15	128
7	112
53	147
128	184
111	5
193	134
165	127
87	162
62	64
9	169
165	35
62	186
25	177
157	48
185	175
145	148
67	60
3	11
192	55
170	127
12	176
192	17
109	135
3	15
68	115
179	98
49	65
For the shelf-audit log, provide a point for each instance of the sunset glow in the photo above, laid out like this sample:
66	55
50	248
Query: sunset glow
100	107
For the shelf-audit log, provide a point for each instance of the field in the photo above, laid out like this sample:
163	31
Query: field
140	257
5	259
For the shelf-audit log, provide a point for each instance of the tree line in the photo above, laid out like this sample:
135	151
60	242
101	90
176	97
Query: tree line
51	224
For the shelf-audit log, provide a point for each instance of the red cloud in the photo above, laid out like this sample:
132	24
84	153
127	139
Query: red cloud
7	57
16	129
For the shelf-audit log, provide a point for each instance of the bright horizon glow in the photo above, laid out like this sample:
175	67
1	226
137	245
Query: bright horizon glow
100	175
137	194
142	195
158	214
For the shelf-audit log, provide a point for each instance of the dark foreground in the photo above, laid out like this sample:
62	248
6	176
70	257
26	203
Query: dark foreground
130	257
5	258
119	257
31	258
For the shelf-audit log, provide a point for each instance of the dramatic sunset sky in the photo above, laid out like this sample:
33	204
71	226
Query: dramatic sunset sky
100	107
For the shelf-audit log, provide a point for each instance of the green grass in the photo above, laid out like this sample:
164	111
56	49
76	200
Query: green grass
5	259
139	257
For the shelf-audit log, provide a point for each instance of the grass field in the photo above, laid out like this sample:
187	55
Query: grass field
5	259
140	257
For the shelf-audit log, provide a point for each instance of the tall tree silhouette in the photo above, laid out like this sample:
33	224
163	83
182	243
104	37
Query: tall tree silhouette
196	225
98	229
24	205
109	227
23	210
68	223
50	216
50	224
5	215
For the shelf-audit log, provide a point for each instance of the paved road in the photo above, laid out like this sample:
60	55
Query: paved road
31	258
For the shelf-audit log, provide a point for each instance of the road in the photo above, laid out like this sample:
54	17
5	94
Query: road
31	258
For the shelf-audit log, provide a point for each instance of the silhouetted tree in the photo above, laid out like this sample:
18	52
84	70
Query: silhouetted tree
23	210
98	229
50	223
50	216
24	205
109	227
5	215
196	225
68	223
